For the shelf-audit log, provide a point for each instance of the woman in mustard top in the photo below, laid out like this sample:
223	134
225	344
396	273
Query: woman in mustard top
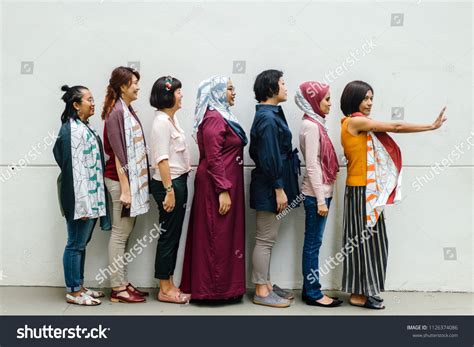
373	180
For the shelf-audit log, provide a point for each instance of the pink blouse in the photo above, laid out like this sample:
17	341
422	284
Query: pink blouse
313	178
169	142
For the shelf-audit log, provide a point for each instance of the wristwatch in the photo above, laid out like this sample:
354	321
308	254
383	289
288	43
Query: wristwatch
169	189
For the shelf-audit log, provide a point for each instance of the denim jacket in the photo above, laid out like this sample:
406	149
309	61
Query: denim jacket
276	162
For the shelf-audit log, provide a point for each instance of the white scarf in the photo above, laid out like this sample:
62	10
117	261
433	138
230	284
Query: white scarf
382	178
136	164
89	191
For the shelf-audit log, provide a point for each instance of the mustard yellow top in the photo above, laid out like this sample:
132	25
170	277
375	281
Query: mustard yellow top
355	150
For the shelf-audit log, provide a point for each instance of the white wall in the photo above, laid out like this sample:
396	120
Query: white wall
421	66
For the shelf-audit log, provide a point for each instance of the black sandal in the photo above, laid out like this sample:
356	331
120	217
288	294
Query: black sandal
371	303
377	298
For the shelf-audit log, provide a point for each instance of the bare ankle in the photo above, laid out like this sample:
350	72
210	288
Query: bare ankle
262	290
166	285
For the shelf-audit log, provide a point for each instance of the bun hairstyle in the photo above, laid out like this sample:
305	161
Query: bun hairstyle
70	96
162	92
120	76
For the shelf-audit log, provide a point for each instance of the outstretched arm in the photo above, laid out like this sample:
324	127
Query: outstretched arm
359	124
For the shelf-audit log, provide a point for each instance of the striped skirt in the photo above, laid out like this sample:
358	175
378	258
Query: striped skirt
365	262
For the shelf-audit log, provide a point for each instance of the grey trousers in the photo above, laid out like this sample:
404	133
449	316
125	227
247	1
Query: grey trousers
267	232
121	230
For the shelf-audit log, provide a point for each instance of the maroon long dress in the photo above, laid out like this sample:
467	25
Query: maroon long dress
214	259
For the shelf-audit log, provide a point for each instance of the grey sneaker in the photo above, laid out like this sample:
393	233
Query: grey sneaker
272	300
283	293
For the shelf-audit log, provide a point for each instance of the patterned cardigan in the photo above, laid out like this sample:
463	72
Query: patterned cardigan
65	182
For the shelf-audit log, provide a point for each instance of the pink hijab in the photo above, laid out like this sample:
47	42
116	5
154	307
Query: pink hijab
308	98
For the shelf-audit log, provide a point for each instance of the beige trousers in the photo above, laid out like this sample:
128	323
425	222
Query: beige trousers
121	230
267	232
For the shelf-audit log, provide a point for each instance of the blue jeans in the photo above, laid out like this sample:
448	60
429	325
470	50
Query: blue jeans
79	234
313	237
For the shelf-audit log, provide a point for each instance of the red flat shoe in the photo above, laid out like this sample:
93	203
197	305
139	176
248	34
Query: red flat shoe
137	291
132	297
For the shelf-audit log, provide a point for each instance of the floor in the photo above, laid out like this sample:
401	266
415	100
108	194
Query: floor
50	301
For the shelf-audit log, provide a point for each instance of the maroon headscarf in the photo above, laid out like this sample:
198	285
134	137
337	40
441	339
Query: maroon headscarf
314	93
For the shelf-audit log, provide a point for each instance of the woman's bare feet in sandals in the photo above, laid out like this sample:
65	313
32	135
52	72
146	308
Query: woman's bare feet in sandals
366	302
81	298
94	293
357	299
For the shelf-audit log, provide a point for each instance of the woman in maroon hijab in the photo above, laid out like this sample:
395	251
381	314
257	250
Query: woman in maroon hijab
314	99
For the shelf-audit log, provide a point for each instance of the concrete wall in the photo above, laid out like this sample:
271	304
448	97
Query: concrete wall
416	55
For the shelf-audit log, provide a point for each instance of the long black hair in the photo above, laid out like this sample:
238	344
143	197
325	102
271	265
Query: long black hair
71	95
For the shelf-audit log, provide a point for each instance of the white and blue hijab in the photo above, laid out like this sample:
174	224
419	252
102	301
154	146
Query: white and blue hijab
212	94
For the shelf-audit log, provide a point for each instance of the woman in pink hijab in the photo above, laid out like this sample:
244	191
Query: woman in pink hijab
314	99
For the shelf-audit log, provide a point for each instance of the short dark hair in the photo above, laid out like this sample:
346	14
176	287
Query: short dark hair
354	93
266	84
162	92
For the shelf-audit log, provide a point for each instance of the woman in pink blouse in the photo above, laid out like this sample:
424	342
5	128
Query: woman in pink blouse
170	159
313	98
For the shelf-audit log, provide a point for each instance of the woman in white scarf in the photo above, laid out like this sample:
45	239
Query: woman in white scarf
78	152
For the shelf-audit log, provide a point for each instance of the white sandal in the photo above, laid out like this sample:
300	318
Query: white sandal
94	293
83	299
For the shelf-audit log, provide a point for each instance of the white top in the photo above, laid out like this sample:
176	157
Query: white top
313	178
169	142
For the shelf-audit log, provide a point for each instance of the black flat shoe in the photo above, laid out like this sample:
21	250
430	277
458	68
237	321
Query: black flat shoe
370	303
313	302
304	297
